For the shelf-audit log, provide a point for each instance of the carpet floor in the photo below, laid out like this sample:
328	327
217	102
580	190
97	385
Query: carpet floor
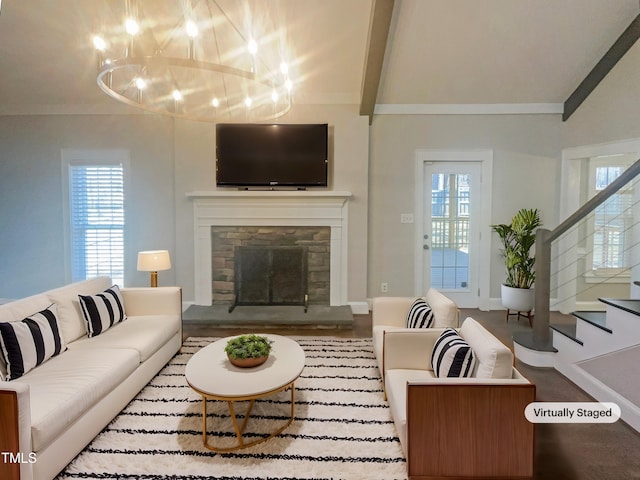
342	430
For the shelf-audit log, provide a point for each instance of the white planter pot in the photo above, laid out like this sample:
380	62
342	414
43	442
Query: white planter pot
518	299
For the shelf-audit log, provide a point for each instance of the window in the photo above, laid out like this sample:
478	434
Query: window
612	221
96	218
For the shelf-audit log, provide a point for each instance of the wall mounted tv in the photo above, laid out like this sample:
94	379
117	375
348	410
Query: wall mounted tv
271	155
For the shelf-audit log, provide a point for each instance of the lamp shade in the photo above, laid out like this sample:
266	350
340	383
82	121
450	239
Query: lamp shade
154	260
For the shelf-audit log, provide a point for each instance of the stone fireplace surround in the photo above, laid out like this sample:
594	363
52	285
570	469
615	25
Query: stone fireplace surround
274	209
312	243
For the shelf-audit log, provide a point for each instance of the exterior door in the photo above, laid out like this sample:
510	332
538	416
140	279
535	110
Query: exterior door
451	230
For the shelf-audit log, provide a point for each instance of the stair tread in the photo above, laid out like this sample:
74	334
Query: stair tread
628	305
568	330
595	318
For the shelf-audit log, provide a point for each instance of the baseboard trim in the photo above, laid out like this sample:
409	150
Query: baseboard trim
534	358
601	392
359	308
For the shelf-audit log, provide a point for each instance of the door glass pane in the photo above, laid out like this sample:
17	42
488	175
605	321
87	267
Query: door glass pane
450	231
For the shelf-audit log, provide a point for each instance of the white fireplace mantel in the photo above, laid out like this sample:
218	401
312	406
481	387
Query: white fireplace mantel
274	208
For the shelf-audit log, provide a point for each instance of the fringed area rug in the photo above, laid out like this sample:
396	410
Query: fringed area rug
342	427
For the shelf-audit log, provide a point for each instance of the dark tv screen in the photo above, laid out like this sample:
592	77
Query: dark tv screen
258	155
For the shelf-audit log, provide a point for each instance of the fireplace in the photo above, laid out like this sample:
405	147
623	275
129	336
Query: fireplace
270	265
271	276
263	210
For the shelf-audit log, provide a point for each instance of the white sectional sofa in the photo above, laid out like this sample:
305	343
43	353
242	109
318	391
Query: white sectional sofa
390	313
48	415
459	427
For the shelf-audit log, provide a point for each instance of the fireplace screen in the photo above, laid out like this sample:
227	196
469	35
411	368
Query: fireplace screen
270	275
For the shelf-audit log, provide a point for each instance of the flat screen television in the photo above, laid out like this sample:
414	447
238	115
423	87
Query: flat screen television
271	155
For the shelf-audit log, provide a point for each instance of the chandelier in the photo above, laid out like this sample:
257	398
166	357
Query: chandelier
188	59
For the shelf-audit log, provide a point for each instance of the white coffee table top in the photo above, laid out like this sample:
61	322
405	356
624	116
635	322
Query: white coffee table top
210	372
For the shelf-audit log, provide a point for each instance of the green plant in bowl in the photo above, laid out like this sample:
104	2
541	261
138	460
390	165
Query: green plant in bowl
248	350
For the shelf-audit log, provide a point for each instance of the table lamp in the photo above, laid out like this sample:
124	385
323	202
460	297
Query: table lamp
153	261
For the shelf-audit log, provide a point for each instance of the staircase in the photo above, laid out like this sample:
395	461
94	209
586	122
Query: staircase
601	354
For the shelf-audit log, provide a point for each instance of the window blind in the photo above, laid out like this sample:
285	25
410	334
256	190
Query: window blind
97	221
612	222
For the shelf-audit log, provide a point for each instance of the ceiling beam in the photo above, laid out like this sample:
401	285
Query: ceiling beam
379	24
602	68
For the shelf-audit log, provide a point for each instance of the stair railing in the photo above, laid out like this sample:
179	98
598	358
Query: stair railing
541	336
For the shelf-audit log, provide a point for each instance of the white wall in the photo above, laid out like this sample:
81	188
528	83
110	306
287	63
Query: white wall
32	250
349	140
612	111
526	168
375	163
527	153
168	159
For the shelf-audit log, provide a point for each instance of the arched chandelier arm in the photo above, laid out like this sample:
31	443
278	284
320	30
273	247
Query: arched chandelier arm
173	64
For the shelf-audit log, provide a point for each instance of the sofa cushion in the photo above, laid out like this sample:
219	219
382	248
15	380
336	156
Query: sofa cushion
102	311
145	334
396	389
66	299
27	343
61	392
494	359
420	314
452	356
444	309
378	341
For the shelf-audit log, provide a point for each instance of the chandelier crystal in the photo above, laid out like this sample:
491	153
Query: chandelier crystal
188	59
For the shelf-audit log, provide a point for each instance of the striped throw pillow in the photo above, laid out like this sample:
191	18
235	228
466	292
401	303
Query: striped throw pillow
452	356
27	343
102	311
420	315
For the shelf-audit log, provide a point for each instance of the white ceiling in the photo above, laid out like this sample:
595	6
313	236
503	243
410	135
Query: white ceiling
497	51
438	51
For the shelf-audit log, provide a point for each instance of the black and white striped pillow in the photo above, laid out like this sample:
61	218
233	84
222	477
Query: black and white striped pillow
452	356
420	315
102	311
27	343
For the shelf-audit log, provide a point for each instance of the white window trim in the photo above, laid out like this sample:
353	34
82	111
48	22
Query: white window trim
485	157
571	179
594	276
605	274
72	157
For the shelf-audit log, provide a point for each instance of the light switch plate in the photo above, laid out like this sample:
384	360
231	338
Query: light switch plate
406	218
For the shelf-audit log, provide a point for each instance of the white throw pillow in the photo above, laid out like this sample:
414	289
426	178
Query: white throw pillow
27	343
69	312
452	356
102	311
420	315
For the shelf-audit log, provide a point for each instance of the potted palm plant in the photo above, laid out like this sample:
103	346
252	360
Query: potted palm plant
518	239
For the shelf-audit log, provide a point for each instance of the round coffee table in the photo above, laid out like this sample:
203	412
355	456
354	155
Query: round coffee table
210	373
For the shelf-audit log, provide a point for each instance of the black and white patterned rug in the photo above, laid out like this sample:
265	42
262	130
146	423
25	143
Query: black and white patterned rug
342	430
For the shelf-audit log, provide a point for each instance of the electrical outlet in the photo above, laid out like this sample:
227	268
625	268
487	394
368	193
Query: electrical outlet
406	218
384	287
